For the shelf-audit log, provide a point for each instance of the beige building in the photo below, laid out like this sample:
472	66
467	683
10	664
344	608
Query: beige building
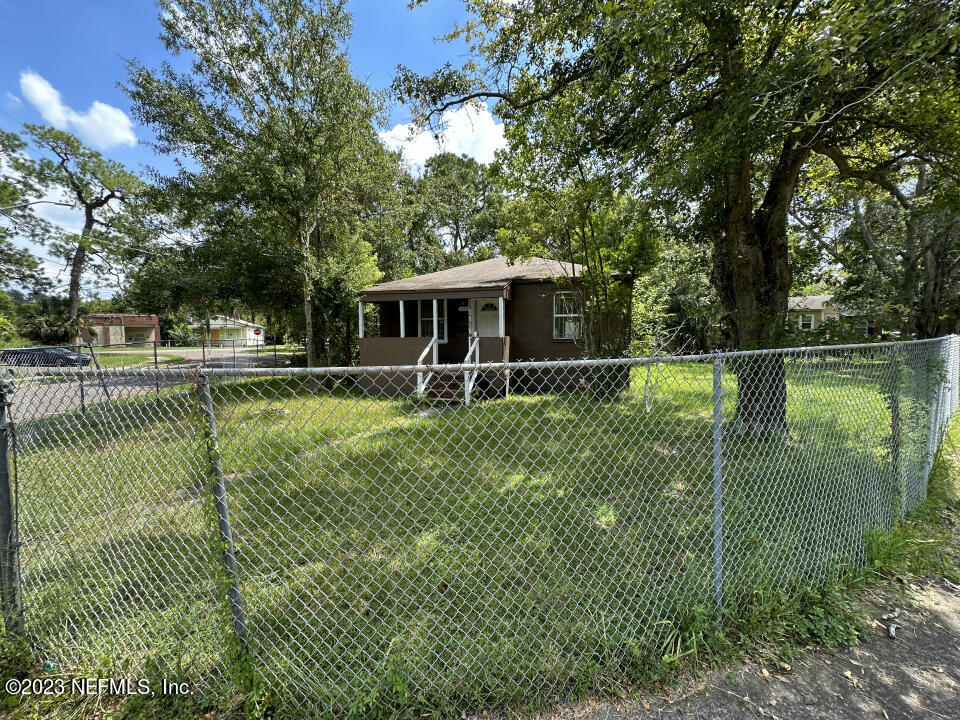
106	329
809	312
230	331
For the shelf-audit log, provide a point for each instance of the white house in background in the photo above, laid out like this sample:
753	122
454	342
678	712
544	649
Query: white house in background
231	331
810	311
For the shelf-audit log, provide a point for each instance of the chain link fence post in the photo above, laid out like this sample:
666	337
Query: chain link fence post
899	490
219	490
937	370
9	550
156	366
718	483
83	402
955	395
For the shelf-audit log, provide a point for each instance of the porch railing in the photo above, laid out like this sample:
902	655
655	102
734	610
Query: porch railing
470	376
424	382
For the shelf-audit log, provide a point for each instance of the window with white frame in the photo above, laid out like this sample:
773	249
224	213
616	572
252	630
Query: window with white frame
806	322
425	319
566	315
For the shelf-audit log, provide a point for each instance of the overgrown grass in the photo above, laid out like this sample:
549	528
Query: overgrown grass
519	550
924	544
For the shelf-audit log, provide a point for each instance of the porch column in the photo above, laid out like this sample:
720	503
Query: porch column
501	303
360	317
403	320
436	334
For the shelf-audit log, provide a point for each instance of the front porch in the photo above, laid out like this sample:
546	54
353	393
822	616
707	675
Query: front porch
444	327
432	331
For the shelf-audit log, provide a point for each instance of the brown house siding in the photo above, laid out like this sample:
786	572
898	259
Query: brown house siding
390	351
530	324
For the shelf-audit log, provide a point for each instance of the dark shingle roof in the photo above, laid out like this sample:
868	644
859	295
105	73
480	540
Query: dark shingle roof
495	273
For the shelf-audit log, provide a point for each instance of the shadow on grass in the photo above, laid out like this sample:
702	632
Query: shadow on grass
524	547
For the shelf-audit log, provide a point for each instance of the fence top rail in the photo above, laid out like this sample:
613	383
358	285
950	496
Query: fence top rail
198	370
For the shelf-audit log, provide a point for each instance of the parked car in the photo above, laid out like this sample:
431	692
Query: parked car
43	357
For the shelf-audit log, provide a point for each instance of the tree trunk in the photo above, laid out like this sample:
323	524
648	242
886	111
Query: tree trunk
76	266
76	273
752	276
308	319
308	301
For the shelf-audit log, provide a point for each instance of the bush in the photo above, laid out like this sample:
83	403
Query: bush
830	332
9	336
182	334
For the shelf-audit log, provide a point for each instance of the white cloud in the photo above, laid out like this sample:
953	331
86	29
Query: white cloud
101	125
469	129
13	101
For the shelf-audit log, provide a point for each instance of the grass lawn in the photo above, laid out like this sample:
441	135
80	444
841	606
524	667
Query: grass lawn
524	547
133	359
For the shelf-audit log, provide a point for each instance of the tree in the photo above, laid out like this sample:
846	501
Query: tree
19	193
588	223
899	247
281	133
676	308
104	191
463	206
722	104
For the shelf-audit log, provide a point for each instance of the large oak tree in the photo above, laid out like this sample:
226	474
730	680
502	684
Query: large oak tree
721	105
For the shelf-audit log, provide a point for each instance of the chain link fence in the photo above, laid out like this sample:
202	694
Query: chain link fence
511	532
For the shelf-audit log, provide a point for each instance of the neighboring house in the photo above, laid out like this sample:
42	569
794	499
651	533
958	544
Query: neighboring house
231	331
520	311
106	329
809	312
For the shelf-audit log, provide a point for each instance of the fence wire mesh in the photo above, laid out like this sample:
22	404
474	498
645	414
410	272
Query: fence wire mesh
474	534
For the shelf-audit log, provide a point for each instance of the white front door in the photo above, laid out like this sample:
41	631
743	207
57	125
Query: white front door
488	317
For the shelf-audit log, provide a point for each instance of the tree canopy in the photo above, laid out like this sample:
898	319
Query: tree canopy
717	105
279	133
19	194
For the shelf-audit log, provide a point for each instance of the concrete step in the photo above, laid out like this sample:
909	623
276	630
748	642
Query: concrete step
447	387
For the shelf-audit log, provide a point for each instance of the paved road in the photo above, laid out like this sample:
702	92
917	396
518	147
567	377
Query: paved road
37	397
213	357
41	397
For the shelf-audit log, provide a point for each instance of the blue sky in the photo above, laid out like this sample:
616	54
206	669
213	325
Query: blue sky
61	62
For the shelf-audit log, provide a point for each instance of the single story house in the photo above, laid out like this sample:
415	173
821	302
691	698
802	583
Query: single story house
230	331
525	310
809	312
106	329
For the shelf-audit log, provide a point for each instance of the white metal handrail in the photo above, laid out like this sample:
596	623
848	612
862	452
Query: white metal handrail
423	382
470	376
